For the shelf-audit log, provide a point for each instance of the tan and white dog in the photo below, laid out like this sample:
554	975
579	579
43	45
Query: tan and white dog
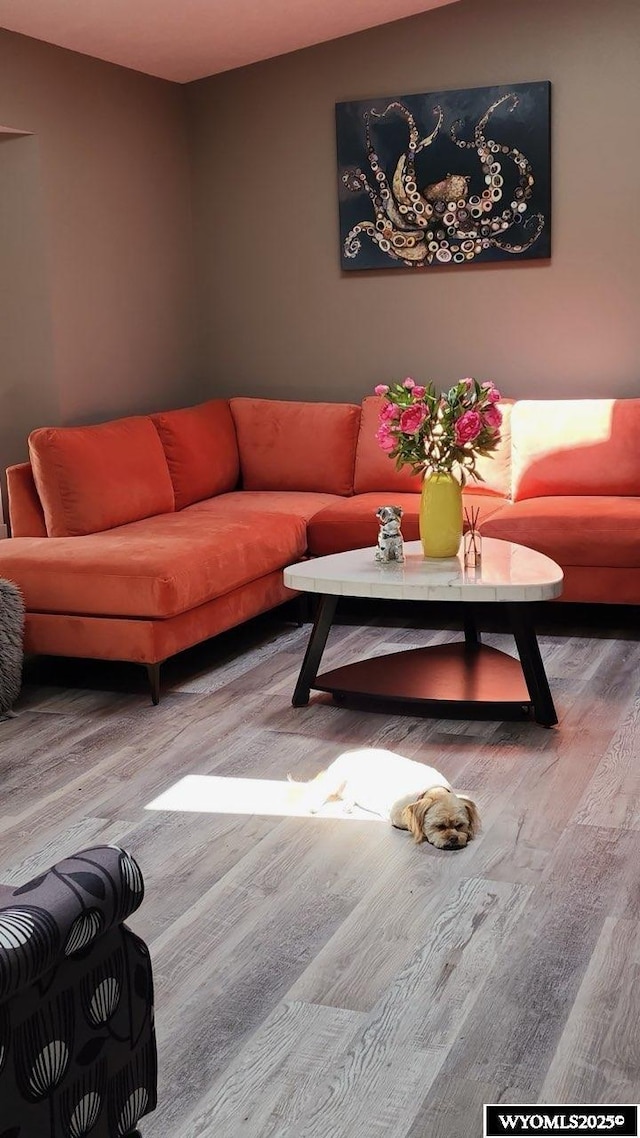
409	794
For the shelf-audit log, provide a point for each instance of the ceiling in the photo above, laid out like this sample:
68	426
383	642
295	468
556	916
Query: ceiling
193	38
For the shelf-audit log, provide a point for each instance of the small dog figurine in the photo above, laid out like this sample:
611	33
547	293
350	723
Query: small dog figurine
410	795
390	546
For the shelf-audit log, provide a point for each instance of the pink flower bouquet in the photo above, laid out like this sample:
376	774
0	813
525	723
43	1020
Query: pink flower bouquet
447	432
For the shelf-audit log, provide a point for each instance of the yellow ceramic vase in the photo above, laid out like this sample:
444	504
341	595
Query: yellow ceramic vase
441	515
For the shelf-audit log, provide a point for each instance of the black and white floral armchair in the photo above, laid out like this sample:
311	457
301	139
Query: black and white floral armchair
77	1041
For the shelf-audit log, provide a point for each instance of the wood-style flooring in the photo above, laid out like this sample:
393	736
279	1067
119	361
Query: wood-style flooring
324	977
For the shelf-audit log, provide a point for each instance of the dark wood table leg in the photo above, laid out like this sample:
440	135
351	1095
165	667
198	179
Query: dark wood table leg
532	665
471	634
312	657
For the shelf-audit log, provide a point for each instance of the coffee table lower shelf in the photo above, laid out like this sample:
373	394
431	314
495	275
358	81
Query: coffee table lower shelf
453	679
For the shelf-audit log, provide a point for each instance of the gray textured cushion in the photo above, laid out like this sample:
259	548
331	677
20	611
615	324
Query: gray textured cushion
11	639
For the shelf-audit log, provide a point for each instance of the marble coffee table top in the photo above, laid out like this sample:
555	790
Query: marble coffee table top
508	572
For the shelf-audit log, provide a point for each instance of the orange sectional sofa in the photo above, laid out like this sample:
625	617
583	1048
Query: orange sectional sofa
134	539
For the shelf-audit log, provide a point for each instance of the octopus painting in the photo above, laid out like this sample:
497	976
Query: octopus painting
472	185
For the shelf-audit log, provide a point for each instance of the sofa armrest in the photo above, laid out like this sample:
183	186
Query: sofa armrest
63	911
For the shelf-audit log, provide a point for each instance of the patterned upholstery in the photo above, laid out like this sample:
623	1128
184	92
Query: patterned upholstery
77	1043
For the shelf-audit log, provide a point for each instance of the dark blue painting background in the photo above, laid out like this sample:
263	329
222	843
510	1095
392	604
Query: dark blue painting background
527	128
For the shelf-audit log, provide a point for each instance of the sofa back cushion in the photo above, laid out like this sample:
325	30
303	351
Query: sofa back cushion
94	478
375	471
201	450
296	446
496	468
576	446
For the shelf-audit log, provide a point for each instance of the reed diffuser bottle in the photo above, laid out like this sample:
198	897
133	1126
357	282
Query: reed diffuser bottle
472	540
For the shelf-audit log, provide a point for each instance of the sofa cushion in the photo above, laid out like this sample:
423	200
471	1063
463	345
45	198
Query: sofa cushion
376	471
154	568
351	523
201	450
575	446
94	478
293	503
296	446
582	530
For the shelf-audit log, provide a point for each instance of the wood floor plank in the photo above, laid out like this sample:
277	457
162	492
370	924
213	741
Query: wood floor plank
454	1109
265	1089
612	796
394	1086
598	1054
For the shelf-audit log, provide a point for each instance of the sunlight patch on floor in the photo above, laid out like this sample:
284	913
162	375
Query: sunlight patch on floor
214	794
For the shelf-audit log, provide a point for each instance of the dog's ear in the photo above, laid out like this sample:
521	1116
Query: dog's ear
414	817
379	513
415	814
472	814
397	511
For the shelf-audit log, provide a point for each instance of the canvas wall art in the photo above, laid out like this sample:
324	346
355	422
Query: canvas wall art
447	178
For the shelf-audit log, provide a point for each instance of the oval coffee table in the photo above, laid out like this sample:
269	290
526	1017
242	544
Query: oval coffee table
456	678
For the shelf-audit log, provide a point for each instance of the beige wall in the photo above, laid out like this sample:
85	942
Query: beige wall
27	389
96	277
278	318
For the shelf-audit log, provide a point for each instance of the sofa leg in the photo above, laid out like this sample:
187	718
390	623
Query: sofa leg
153	672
